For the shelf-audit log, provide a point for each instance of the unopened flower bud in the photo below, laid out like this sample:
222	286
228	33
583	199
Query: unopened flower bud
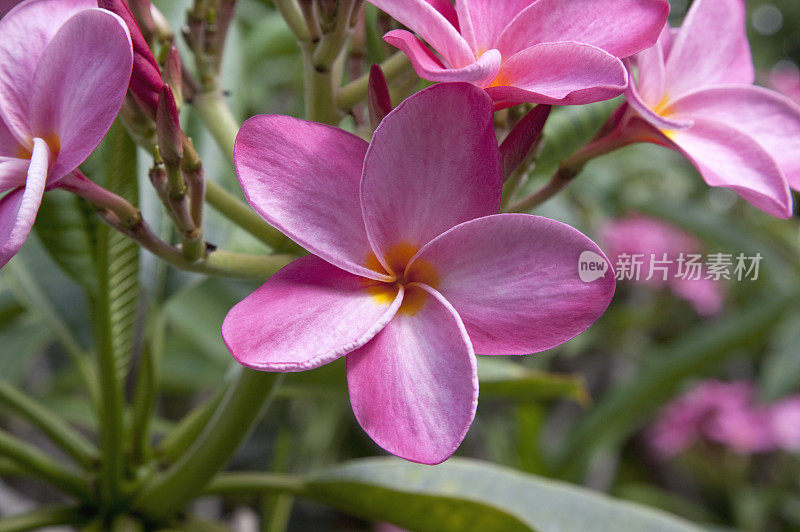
378	98
168	128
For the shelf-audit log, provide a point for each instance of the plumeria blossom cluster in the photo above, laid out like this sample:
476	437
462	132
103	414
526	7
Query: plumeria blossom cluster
727	414
412	269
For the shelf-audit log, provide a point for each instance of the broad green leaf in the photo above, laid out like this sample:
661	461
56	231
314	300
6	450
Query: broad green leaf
463	494
696	352
66	227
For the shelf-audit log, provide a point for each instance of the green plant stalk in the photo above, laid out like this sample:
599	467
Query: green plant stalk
111	399
291	13
42	466
320	89
213	110
246	483
70	440
144	399
188	429
355	92
236	416
45	516
242	215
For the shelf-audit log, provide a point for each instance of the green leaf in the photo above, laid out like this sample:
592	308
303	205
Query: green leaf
780	370
464	494
696	352
66	227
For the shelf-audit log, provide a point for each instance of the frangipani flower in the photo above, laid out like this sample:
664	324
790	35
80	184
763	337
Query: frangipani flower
412	272
540	51
64	70
695	93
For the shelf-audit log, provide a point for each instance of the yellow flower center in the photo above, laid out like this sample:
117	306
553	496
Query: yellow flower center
397	259
53	142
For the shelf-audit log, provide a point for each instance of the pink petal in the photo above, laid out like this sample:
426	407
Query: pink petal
729	158
645	110
622	27
7	5
520	140
560	73
303	178
432	164
18	208
514	280
79	85
26	31
482	21
710	48
772	119
414	387
308	314
433	27
446	9
650	65
428	66
9	145
13	172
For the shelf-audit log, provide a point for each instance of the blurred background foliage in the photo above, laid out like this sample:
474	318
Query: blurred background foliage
575	413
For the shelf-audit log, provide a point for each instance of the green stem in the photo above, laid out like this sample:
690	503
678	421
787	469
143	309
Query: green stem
293	16
53	426
144	399
216	115
242	215
232	422
111	400
45	516
188	429
320	89
254	483
355	92
40	465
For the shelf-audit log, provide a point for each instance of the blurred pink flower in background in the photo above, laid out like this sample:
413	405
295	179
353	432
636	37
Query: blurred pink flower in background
64	71
695	94
412	270
727	414
638	235
785	78
545	51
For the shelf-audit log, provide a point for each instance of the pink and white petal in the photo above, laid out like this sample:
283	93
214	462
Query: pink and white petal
770	118
482	21
414	387
727	157
426	21
432	164
308	314
79	85
18	208
26	30
560	74
13	172
303	178
710	48
429	67
515	281
622	28
7	5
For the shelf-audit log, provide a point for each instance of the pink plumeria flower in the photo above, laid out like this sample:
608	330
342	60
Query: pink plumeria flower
786	424
64	70
412	271
695	94
540	51
640	236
